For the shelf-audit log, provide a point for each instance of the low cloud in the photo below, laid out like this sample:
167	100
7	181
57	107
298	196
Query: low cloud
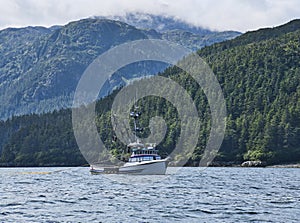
241	15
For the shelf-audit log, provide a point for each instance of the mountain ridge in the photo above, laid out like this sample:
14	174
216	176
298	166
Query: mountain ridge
261	85
40	67
258	35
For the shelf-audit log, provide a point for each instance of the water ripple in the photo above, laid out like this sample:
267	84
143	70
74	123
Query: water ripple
213	195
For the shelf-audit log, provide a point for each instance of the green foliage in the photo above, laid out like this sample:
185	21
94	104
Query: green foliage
261	84
39	140
40	67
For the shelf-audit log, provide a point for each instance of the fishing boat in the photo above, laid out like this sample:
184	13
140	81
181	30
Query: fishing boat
144	158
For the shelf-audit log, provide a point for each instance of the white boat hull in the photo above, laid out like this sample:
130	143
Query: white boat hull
155	167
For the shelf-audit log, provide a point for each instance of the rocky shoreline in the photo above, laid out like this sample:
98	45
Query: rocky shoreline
249	164
295	165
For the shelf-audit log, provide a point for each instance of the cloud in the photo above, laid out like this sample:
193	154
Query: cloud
241	15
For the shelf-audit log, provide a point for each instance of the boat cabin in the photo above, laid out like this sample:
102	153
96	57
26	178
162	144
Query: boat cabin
143	153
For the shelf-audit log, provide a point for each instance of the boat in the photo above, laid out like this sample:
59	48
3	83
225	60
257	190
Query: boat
144	159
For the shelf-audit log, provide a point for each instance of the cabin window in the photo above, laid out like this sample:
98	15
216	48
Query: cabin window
133	159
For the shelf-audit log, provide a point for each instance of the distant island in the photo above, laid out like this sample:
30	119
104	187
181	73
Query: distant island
259	73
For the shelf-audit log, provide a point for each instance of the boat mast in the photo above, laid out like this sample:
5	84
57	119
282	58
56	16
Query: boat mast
135	114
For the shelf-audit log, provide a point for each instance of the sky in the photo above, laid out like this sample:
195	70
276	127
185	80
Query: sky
238	15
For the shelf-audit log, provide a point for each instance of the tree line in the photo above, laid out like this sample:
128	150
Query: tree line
261	84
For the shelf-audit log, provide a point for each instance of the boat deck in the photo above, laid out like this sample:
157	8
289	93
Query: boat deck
105	170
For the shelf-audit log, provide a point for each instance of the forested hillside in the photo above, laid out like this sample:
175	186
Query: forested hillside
40	67
261	83
260	78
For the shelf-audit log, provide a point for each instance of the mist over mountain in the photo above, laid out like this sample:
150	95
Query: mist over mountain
160	23
176	30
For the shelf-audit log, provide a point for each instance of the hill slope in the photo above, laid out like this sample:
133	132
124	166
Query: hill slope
261	82
42	74
261	85
256	36
40	67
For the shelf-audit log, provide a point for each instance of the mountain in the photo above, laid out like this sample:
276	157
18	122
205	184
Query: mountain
176	30
161	23
260	78
40	67
257	36
40	70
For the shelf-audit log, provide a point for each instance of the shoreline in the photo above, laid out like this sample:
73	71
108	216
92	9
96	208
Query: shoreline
288	165
292	165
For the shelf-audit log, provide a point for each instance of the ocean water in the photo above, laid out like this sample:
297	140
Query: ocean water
183	195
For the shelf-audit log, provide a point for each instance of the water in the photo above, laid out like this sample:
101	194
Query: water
192	195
